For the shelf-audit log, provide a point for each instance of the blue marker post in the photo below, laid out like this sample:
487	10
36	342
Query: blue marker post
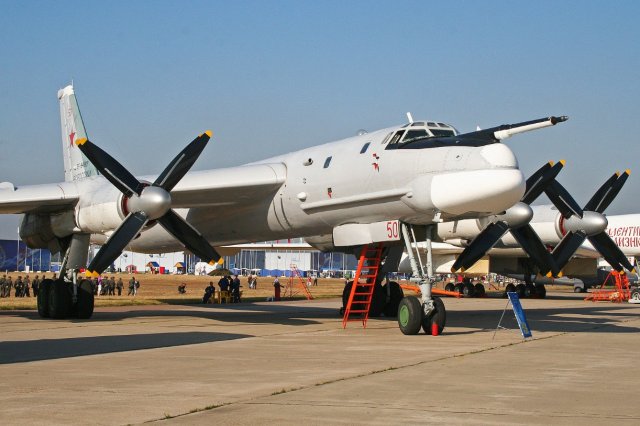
514	300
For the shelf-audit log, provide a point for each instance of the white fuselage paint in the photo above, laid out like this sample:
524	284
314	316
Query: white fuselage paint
418	186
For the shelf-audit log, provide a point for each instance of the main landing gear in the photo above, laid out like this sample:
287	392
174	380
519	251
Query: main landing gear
69	296
427	313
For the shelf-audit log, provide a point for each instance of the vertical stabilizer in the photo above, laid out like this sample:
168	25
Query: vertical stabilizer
76	165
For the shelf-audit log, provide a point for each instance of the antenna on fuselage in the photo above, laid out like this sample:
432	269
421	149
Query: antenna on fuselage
410	118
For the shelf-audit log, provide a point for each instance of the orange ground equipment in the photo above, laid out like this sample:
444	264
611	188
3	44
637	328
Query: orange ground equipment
357	308
293	286
622	293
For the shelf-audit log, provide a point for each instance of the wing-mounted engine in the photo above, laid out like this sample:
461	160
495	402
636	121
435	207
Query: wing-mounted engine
324	242
48	230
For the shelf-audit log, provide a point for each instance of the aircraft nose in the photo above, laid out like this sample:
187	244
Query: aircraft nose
498	155
485	191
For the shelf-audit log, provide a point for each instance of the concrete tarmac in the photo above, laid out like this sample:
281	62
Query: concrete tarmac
292	363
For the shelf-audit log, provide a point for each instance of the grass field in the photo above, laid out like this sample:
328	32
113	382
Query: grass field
163	289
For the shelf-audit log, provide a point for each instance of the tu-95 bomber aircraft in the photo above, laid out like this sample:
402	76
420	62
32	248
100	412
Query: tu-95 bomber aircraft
419	173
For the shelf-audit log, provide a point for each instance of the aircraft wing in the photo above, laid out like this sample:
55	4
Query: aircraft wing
234	185
37	198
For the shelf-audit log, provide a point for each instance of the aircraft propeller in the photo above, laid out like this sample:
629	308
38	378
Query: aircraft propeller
588	223
148	202
516	220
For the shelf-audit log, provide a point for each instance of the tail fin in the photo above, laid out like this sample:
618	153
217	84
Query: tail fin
76	165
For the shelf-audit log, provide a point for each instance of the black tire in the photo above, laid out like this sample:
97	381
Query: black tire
468	290
521	289
479	290
541	291
43	297
378	300
84	305
395	296
410	315
449	287
59	300
529	290
509	289
438	317
345	294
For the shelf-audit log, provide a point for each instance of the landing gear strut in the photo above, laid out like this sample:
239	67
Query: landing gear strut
67	297
428	312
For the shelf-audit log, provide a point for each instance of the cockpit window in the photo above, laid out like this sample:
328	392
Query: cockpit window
396	137
415	134
442	132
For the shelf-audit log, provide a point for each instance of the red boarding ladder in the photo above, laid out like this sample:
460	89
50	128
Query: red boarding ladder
295	273
362	293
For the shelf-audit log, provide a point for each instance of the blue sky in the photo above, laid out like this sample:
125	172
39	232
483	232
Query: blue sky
274	76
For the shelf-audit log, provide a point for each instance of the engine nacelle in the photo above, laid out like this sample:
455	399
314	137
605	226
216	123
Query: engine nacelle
324	243
100	210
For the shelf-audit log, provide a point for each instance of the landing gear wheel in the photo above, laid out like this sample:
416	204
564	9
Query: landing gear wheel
378	300
529	290
395	296
458	288
59	300
541	291
449	287
43	298
479	290
410	315
435	322
521	289
510	288
84	305
468	290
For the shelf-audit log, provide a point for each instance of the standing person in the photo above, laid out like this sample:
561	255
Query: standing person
132	286
100	285
35	285
9	285
119	286
136	286
27	285
18	286
308	281
315	280
3	286
276	289
235	288
112	286
94	286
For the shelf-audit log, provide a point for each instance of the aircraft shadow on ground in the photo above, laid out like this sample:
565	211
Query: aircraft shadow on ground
592	316
46	349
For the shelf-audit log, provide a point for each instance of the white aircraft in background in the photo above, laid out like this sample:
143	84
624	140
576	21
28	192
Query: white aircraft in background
564	226
420	173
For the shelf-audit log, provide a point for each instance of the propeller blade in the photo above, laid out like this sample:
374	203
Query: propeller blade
567	247
610	251
598	197
189	236
539	180
110	168
611	194
562	200
533	246
110	251
181	164
480	245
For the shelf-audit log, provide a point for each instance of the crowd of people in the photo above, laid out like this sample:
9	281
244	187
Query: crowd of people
225	284
102	286
22	287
